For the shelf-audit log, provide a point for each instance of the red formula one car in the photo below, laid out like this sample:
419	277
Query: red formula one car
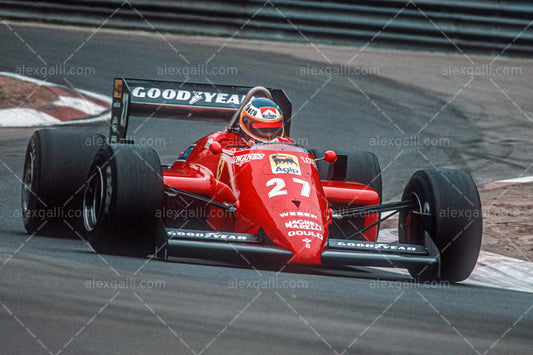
225	197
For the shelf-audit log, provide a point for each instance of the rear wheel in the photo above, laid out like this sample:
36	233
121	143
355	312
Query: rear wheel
451	199
55	171
352	166
122	201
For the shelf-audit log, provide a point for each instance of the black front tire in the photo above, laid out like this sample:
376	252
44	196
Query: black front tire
455	226
55	171
122	201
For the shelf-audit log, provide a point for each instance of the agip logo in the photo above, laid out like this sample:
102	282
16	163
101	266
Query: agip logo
285	164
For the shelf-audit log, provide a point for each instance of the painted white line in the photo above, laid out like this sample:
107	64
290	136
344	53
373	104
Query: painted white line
500	183
519	180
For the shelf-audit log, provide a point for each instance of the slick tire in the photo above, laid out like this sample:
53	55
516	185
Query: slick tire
55	171
122	200
352	166
455	222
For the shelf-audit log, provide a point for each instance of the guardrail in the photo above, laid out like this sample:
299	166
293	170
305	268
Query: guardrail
488	26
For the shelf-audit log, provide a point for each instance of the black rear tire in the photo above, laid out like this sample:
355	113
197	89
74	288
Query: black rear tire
452	199
352	166
55	171
122	201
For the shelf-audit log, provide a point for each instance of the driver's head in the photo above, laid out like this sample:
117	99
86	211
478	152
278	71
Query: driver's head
261	120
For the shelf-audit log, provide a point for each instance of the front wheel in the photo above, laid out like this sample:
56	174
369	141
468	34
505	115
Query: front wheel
122	200
450	201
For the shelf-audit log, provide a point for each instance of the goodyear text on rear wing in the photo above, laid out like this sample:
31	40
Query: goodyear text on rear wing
179	100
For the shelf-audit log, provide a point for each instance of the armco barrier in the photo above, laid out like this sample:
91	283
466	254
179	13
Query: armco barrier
488	26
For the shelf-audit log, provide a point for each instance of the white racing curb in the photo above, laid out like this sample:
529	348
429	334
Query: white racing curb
492	270
27	117
500	271
507	182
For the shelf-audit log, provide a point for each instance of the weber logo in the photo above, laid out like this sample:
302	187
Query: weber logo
176	96
298	214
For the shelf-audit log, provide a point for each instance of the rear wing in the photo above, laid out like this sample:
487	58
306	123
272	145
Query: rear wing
180	100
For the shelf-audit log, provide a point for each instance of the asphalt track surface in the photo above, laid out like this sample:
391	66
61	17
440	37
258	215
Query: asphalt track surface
57	296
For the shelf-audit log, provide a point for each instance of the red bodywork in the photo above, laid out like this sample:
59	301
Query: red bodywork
276	189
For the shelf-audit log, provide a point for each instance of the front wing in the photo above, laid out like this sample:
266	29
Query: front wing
224	246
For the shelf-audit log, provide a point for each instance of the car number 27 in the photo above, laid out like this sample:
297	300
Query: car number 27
279	185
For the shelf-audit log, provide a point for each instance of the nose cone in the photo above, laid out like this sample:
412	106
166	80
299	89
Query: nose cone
280	192
304	234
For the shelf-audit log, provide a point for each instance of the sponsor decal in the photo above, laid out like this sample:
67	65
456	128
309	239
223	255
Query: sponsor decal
208	235
305	233
303	224
186	96
381	246
285	164
196	96
307	242
252	111
298	214
124	113
114	127
117	92
269	112
245	158
220	167
308	160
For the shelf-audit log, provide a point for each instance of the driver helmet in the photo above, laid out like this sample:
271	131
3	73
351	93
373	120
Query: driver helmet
261	120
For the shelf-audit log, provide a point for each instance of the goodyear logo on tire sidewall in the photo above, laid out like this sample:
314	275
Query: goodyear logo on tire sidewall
285	164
